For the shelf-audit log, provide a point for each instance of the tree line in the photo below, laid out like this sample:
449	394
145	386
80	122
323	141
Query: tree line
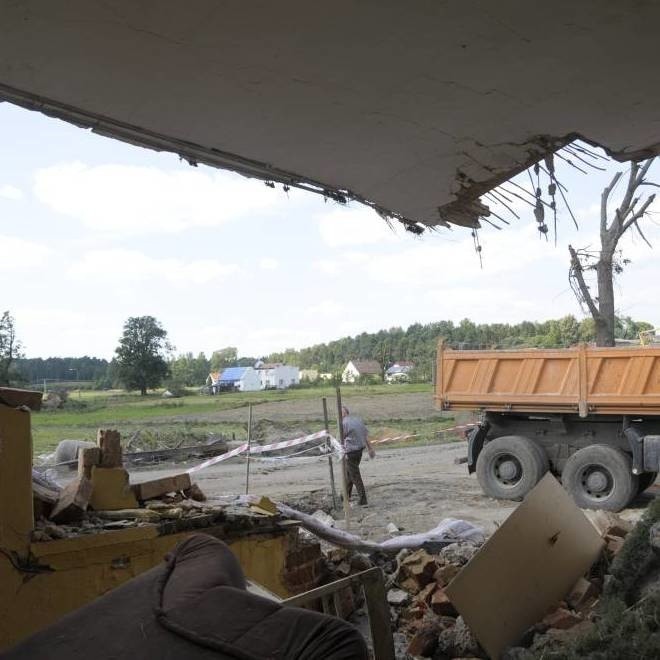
144	357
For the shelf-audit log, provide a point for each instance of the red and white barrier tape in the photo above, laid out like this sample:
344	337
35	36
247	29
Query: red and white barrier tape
319	435
260	449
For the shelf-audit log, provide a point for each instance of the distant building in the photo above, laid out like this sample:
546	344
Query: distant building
243	379
399	372
277	376
325	375
357	369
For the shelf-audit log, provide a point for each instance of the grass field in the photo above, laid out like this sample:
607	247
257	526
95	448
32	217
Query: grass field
197	415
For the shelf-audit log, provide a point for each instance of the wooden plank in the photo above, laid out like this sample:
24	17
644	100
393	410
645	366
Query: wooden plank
379	616
110	443
73	501
148	490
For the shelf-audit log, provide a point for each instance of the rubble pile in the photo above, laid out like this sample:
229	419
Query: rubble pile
425	624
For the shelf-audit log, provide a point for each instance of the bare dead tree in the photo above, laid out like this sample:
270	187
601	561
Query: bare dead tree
608	261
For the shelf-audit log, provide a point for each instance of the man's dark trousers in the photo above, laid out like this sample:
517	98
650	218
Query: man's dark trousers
353	475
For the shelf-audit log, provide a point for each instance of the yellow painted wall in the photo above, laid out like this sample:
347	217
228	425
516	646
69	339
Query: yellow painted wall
77	570
89	566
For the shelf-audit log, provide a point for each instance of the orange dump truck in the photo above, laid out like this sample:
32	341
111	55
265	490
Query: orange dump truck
591	415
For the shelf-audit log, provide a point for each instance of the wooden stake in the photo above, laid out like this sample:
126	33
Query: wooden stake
249	443
328	444
344	484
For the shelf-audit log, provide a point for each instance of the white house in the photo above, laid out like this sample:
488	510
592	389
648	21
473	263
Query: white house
244	379
277	376
356	369
399	372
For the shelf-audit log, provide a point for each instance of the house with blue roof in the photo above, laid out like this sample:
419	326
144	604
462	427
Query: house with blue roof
242	379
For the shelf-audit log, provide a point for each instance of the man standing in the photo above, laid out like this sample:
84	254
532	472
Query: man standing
355	440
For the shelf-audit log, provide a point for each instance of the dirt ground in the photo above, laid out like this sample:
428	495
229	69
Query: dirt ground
413	487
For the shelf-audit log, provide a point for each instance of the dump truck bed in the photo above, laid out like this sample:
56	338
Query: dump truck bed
584	380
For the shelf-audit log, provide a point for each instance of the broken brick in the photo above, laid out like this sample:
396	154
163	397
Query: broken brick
88	457
424	596
425	640
561	619
441	604
148	490
446	573
73	501
109	442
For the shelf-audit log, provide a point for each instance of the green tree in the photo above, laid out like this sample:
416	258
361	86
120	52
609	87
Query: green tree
10	349
224	357
141	355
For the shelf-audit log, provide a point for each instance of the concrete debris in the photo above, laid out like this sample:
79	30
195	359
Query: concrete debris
424	616
392	528
73	501
398	597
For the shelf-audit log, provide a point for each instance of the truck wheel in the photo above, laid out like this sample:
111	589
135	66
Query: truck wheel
510	466
600	477
646	480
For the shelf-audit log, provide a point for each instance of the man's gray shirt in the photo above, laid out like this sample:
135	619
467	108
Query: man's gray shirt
355	433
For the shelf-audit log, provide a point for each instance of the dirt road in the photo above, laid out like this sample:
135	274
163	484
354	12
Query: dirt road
412	487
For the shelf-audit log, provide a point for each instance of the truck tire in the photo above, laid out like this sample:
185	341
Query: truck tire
646	480
600	477
510	466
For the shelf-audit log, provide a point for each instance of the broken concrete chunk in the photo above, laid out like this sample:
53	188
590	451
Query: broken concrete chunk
392	528
398	597
73	501
87	458
148	490
111	490
458	553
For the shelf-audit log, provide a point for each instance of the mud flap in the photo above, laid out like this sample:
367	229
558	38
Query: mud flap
636	442
476	439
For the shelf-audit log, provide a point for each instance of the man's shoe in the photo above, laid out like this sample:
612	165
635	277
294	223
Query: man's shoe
363	502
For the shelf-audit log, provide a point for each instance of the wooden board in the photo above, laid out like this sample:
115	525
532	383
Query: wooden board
531	562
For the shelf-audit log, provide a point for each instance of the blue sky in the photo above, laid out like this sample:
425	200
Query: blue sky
93	231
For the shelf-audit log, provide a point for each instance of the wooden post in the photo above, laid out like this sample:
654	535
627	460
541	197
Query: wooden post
249	446
329	446
344	484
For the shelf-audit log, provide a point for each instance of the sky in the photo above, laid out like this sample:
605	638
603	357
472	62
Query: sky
93	231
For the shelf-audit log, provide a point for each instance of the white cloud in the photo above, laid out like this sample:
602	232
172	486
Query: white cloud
354	225
8	191
128	200
328	266
326	309
131	265
19	254
268	263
